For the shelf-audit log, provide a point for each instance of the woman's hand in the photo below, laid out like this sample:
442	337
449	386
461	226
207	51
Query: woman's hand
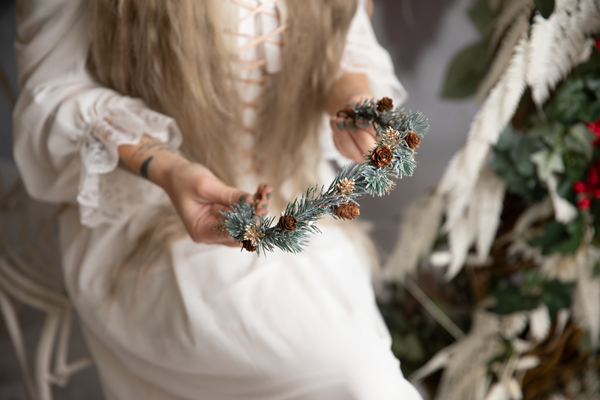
352	141
196	193
199	197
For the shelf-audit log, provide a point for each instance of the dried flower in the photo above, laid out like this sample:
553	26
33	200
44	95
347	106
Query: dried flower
219	226
412	139
390	187
382	156
253	234
385	104
345	187
287	223
347	211
391	138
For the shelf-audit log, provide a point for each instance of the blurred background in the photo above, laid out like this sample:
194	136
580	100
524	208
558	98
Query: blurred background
422	36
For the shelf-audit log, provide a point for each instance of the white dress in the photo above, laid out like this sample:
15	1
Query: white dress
207	322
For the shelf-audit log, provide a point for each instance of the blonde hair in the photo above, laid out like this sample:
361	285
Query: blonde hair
174	55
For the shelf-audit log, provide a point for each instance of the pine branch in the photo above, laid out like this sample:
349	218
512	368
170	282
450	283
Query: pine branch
397	133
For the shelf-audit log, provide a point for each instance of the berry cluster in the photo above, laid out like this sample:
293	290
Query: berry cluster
589	189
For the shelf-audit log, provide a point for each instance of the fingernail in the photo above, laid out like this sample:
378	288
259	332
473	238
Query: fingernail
269	195
243	198
257	196
266	185
351	125
265	206
340	125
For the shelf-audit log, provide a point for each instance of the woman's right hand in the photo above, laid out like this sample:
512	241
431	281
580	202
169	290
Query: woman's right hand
199	198
196	193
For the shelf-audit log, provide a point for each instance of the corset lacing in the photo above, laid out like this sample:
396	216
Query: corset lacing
259	42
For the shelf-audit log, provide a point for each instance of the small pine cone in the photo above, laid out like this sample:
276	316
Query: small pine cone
412	139
385	104
347	211
247	245
382	156
287	223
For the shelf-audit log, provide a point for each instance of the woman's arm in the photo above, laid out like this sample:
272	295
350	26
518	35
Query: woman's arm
347	87
197	194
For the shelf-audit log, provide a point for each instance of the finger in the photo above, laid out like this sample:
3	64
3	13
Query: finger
212	238
348	124
337	124
218	192
346	146
363	140
211	230
263	198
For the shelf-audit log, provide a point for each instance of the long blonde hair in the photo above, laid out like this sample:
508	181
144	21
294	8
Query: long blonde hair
174	55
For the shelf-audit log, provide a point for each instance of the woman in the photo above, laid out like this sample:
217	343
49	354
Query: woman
110	90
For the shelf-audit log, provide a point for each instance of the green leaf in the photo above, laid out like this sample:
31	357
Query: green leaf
591	66
548	162
545	7
482	16
554	232
522	152
510	299
506	140
582	138
572	102
575	167
590	112
534	281
408	347
466	70
557	295
559	238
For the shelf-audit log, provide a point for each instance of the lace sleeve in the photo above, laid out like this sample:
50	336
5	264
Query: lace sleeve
107	193
363	54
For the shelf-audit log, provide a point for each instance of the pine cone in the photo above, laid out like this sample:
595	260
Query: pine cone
382	156
385	104
347	211
247	245
412	139
287	223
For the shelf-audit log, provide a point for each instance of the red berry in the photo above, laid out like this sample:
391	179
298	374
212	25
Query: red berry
596	193
584	203
579	187
594	127
598	43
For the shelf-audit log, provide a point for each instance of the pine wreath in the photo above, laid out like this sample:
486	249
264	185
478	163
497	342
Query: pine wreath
398	133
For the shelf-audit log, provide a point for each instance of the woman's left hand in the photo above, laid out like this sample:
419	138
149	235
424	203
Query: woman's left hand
352	141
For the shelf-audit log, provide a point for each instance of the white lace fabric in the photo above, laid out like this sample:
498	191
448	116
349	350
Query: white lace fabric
107	193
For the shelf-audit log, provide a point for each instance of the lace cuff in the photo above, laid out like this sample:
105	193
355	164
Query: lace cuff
107	193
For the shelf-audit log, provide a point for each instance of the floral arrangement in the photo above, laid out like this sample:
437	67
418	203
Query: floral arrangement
520	206
397	133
